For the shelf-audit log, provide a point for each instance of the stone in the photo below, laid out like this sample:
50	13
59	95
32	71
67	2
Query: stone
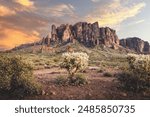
43	92
53	33
108	37
136	44
60	31
67	34
90	35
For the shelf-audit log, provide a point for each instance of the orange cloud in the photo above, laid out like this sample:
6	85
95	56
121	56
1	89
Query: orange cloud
114	13
14	38
26	3
4	11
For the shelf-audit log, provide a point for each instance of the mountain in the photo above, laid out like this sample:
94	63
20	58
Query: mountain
86	33
89	35
136	44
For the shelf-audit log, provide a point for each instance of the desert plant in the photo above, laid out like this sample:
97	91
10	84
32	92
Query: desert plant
137	77
16	76
61	80
107	74
74	62
79	79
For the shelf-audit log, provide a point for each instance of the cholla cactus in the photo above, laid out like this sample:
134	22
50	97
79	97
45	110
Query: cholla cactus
139	63
137	77
73	62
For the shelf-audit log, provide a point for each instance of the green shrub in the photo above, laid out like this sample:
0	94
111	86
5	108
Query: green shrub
137	77
79	79
16	76
107	74
101	70
61	80
56	60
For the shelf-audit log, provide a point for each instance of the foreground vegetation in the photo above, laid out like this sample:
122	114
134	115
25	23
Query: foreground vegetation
105	64
136	77
16	77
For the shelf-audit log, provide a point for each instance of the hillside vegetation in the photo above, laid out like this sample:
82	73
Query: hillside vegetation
97	81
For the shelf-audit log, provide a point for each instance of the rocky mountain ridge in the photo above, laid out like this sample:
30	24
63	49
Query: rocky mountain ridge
136	44
86	33
89	35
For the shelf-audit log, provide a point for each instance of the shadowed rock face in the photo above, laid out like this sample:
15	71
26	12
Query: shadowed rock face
136	44
89	35
86	33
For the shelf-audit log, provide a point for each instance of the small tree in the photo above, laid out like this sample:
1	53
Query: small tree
73	62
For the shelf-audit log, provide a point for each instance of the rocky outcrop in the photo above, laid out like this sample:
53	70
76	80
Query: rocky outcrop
53	34
89	35
109	37
136	44
86	33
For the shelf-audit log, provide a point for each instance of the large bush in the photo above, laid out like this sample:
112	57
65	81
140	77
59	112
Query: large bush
137	76
16	76
74	62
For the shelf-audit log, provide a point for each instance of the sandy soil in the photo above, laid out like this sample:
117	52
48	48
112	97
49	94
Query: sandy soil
99	87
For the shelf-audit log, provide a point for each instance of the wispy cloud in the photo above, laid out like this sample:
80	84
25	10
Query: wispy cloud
23	21
114	13
61	10
26	3
95	0
5	11
12	37
134	23
18	25
140	21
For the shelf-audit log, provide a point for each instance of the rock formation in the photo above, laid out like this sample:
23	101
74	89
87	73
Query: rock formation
136	44
89	35
109	37
86	33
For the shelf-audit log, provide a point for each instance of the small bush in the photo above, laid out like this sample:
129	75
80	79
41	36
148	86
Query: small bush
101	70
137	77
79	79
16	76
56	60
107	74
61	80
73	62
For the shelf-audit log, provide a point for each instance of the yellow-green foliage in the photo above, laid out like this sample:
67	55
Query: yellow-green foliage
137	77
16	76
139	64
79	80
75	61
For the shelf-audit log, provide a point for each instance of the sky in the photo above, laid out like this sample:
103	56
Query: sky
25	21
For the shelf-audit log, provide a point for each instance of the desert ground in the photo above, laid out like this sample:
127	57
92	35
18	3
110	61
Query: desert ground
101	74
99	86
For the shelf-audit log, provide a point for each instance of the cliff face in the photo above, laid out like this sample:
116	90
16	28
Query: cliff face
89	35
136	44
86	33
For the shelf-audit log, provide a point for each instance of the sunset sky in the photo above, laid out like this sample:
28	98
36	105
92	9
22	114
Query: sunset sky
24	21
